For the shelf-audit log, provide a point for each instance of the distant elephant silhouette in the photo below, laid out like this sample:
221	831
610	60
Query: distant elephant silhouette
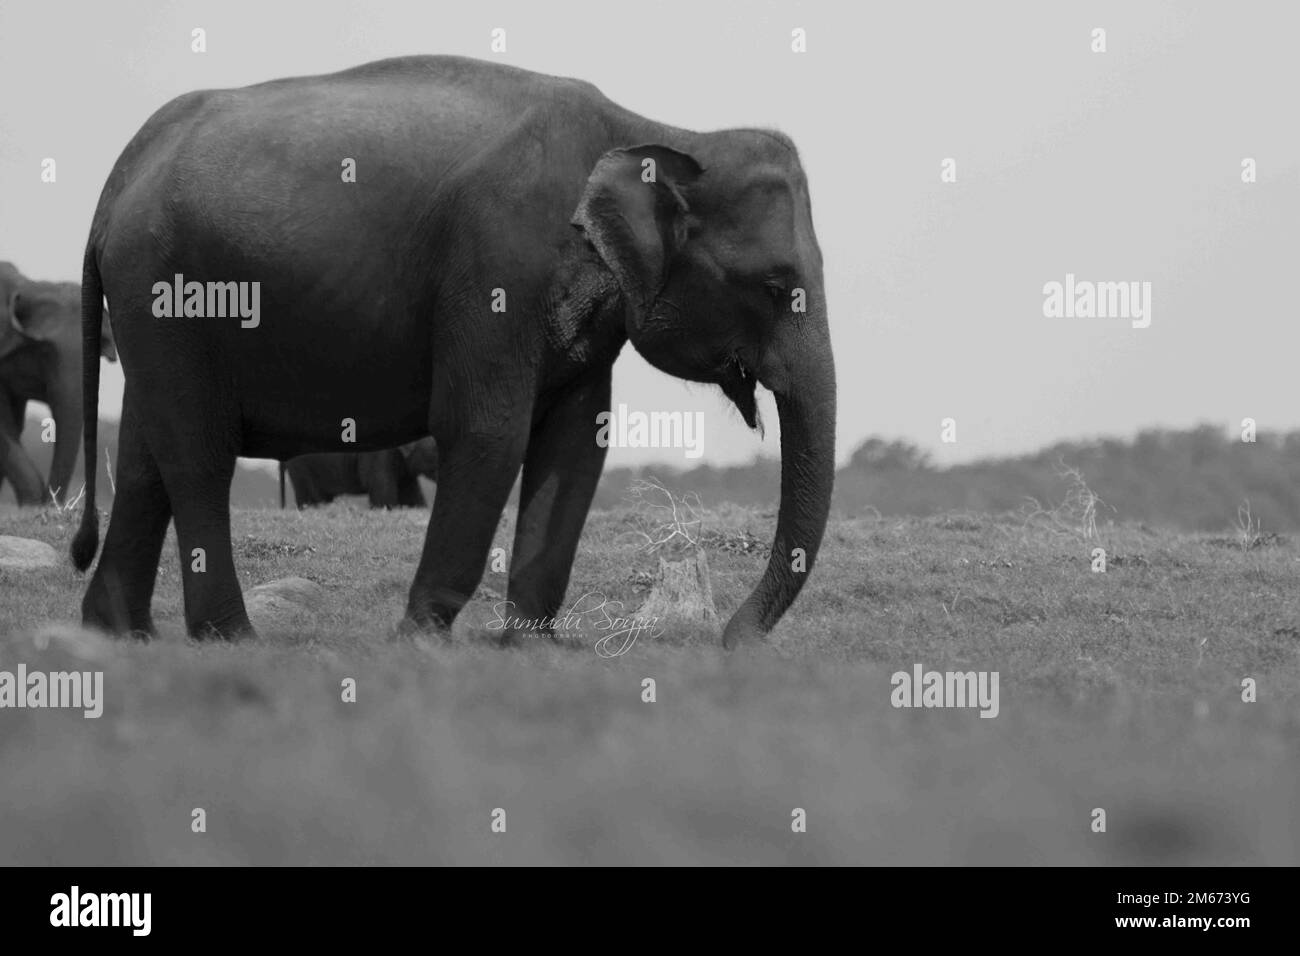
40	360
390	478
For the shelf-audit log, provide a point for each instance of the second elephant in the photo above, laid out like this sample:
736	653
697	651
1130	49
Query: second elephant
390	478
40	360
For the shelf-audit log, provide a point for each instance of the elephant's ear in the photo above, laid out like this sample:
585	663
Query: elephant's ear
31	314
13	312
634	212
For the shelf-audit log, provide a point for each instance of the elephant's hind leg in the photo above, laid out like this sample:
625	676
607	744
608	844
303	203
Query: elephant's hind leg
214	603
196	457
121	588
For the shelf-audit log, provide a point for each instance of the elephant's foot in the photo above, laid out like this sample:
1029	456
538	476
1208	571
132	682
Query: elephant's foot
100	612
231	627
143	634
410	628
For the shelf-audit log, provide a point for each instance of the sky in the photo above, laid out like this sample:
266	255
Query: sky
1115	166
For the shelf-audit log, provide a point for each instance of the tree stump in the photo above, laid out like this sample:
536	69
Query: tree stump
682	591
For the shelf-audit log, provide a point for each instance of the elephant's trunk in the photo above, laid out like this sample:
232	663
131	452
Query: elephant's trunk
66	406
806	405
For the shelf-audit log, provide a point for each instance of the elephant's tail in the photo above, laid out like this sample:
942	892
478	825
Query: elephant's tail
281	486
86	541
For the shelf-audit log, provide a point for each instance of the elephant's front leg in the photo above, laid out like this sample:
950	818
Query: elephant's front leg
561	471
65	403
17	466
379	474
478	471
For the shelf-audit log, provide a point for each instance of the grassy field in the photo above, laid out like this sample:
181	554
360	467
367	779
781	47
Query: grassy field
1119	690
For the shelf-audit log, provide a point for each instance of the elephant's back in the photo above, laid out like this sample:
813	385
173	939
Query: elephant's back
442	105
339	153
486	82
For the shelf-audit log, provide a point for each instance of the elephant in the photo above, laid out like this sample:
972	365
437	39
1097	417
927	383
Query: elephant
391	478
41	360
440	246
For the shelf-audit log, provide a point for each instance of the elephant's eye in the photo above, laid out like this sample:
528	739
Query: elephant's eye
775	290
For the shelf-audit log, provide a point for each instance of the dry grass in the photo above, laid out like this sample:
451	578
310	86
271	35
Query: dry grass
1119	690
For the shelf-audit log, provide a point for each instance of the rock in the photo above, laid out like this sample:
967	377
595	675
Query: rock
24	554
278	603
682	591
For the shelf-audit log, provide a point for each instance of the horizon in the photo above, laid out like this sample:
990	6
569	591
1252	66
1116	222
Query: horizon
1229	433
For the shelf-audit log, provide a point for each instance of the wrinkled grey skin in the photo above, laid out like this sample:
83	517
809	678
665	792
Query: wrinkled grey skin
389	478
40	360
474	181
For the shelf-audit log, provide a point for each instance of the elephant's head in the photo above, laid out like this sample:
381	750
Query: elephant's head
44	313
421	458
719	266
